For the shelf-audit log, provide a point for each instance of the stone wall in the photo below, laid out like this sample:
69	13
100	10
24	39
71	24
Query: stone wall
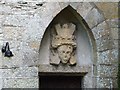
23	23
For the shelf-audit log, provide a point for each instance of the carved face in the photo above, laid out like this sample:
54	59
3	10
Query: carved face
65	52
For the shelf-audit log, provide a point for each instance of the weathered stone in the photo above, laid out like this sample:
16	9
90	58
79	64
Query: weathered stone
110	9
104	71
101	30
23	24
26	72
94	17
20	83
113	23
15	61
66	69
114	32
114	71
114	83
75	5
53	9
107	70
30	57
13	33
5	10
114	56
1	83
47	13
88	81
104	57
116	43
108	57
104	43
84	6
64	43
103	83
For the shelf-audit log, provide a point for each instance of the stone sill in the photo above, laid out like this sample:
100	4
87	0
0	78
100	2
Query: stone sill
60	70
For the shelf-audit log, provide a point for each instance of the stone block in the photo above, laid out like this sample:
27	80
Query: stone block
1	83
84	8
103	83
5	10
114	83
104	57
94	17
30	57
13	33
20	83
114	56
101	30
114	71
107	70
63	4
26	72
108	57
114	33
21	72
15	61
104	71
116	44
104	43
113	23
110	9
75	5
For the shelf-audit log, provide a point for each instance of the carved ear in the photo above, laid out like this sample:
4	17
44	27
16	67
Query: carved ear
72	28
58	29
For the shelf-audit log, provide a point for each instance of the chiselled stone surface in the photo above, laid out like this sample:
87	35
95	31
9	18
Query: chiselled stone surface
65	69
22	72
23	23
63	44
108	57
94	17
107	70
115	33
63	4
110	9
103	83
104	71
116	44
104	43
101	30
114	83
20	83
1	83
84	6
113	23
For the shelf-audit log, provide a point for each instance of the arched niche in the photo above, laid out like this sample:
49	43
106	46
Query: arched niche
84	38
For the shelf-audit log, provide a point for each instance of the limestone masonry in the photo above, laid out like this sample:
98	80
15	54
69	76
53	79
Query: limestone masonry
27	24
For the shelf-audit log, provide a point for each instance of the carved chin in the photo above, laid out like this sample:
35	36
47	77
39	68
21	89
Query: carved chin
64	61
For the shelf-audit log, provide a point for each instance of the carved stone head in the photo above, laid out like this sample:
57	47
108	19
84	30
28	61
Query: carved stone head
64	43
64	52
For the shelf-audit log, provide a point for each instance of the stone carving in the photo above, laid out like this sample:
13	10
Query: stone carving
63	45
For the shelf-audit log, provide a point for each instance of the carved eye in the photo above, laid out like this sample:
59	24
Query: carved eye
63	38
68	39
67	52
63	51
69	47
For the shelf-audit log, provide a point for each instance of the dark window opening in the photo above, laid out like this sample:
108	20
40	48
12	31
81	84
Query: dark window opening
52	81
